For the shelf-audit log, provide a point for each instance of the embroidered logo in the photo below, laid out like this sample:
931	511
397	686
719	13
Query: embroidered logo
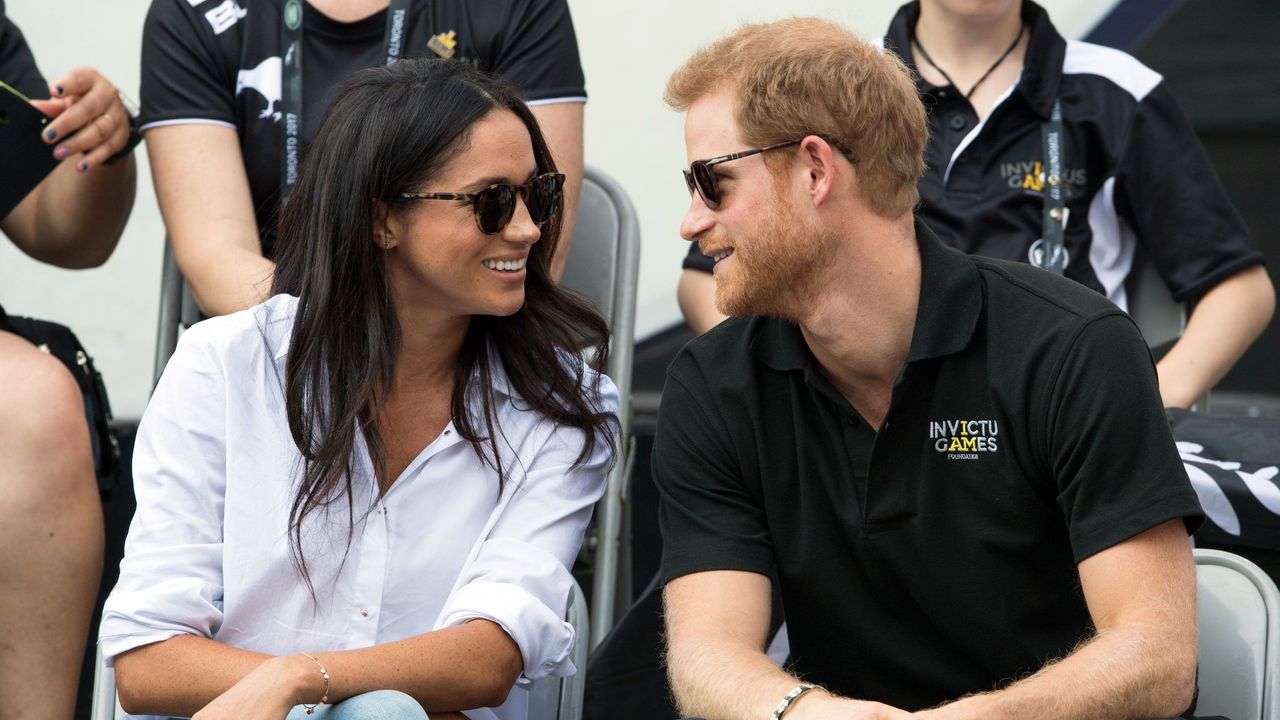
1030	175
444	44
964	439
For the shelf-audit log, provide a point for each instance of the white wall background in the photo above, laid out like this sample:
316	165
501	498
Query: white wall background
628	50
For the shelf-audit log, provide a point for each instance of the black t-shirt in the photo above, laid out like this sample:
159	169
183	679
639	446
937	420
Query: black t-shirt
219	61
1136	175
937	557
17	66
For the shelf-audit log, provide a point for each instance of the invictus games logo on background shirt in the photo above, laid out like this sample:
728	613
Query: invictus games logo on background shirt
964	439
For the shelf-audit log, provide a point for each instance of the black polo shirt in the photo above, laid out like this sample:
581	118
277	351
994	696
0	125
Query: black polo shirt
936	557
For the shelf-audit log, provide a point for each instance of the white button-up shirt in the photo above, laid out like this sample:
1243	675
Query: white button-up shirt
215	470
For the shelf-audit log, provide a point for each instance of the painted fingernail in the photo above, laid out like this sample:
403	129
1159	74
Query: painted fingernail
61	152
83	166
50	134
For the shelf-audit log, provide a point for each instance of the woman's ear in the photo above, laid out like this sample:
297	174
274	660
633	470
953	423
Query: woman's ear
384	232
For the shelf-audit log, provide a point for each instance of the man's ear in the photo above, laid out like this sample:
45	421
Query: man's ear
819	163
384	226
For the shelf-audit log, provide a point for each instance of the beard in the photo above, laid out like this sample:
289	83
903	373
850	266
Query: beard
776	266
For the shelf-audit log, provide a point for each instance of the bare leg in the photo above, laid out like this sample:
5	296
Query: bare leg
50	533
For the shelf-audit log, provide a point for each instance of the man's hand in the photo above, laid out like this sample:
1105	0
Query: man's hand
269	692
90	122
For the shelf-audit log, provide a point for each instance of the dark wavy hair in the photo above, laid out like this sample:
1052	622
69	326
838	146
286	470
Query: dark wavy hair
390	130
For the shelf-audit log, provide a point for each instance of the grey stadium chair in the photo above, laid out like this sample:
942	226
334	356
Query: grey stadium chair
603	266
1239	628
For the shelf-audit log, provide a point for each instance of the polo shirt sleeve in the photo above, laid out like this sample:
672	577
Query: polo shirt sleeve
695	260
537	52
708	517
185	76
171	579
1109	446
1167	190
17	65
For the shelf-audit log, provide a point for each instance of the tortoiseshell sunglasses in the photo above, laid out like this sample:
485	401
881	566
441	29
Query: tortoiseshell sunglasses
495	205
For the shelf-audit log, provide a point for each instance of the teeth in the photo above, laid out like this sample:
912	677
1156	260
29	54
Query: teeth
505	265
722	255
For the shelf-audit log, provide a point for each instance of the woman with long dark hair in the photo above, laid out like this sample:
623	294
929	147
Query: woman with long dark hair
362	495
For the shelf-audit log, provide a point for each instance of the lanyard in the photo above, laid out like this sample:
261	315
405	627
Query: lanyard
1050	251
291	80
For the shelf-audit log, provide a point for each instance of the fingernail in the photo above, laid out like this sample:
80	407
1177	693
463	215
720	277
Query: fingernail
82	166
61	152
58	89
50	134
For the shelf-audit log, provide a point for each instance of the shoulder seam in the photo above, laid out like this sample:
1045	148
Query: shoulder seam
1115	66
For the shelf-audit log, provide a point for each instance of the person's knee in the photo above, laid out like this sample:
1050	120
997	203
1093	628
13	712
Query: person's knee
42	420
379	705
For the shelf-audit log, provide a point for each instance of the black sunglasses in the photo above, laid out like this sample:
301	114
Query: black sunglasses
701	179
495	205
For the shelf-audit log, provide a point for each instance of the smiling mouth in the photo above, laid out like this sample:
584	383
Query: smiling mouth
722	254
506	265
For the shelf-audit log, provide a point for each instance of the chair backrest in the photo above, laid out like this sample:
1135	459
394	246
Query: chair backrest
1239	629
603	266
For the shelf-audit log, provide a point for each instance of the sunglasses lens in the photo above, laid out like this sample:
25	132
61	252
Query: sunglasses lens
494	207
705	179
544	193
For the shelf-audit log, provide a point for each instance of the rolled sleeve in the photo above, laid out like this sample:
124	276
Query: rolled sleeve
519	577
171	577
529	604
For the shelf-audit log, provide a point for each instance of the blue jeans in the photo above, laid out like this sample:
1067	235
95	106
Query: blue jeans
376	705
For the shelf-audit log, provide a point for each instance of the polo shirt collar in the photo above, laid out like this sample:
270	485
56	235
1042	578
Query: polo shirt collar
1041	69
950	302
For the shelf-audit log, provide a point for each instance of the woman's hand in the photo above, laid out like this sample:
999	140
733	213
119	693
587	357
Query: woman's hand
269	692
86	104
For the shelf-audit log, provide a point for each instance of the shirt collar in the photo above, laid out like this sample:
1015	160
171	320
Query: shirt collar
951	299
1041	69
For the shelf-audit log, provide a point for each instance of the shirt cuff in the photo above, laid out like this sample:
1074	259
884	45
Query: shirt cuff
545	639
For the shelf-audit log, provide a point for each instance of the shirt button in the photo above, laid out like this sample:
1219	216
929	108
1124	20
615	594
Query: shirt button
364	613
853	420
548	665
958	122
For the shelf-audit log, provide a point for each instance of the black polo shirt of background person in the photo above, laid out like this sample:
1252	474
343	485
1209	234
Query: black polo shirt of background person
1135	172
219	62
937	557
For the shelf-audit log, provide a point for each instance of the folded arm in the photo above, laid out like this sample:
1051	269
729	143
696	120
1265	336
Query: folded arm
717	626
75	216
471	665
1141	663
